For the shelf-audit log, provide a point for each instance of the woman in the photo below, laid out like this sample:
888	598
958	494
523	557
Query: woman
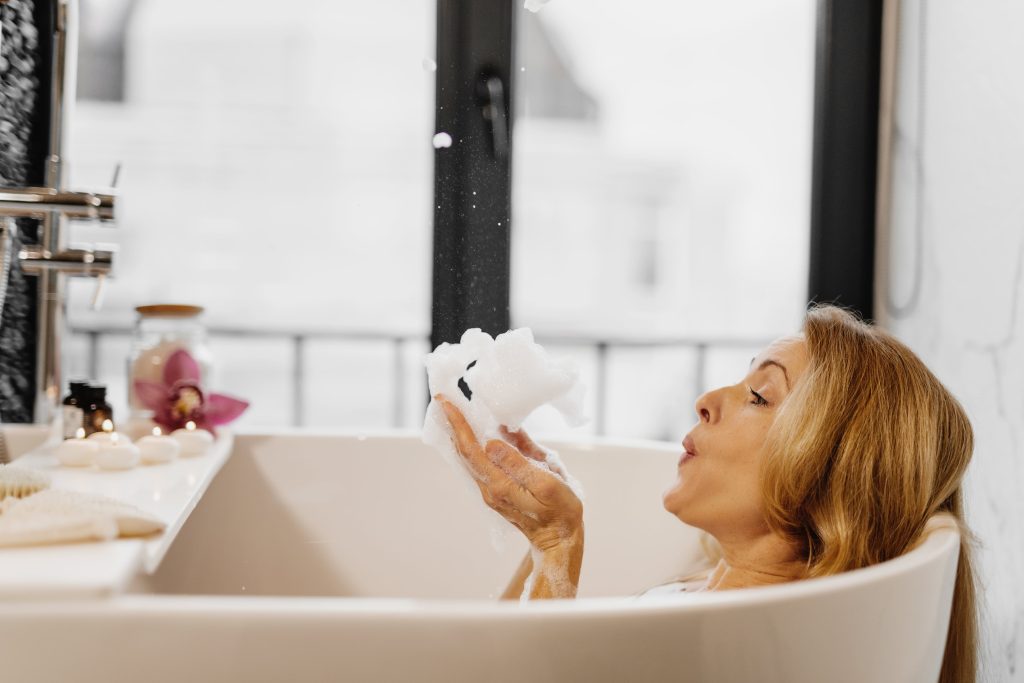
831	454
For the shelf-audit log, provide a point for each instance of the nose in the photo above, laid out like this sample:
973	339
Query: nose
707	406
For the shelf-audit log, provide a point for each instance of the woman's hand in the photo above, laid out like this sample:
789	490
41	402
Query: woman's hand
534	497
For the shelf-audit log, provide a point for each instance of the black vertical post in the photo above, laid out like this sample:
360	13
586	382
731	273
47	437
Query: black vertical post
472	175
27	48
846	100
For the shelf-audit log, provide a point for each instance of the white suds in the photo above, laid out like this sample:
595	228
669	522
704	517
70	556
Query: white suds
442	140
535	5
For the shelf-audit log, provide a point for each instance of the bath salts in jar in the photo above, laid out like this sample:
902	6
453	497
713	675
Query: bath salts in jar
160	330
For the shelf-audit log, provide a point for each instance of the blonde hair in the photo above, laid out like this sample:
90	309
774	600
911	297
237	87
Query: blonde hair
864	451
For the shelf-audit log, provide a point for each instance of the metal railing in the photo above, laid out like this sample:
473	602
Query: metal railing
397	341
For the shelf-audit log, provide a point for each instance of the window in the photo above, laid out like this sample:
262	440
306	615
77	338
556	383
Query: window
661	193
278	170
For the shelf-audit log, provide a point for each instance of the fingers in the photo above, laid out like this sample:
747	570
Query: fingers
466	444
528	447
541	485
509	481
524	443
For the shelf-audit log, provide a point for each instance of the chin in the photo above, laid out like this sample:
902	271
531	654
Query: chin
670	500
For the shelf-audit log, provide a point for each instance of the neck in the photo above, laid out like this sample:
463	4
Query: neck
759	559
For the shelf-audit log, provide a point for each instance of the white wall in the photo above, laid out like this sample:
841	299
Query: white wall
957	237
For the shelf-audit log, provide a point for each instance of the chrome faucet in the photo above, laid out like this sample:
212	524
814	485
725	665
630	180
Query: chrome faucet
54	205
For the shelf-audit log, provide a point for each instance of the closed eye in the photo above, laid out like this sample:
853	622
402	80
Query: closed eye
758	398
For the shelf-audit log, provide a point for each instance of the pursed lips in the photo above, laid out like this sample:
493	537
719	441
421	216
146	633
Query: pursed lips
690	450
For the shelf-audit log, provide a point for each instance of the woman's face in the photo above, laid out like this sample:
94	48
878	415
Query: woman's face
718	486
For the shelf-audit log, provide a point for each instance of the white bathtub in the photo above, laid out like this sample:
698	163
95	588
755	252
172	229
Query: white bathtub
364	558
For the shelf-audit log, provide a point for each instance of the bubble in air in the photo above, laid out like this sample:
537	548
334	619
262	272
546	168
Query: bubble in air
429	65
442	140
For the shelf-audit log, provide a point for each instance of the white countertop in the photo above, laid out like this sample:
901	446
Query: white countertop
84	570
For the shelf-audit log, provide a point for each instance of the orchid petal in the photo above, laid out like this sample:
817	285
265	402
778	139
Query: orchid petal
221	409
153	395
181	366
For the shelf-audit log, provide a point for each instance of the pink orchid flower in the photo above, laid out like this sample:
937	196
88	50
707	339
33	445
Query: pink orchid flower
180	399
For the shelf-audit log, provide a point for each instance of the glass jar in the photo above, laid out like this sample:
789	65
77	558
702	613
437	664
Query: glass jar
160	330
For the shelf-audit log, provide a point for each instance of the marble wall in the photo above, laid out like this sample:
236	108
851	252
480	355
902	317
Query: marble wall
953	275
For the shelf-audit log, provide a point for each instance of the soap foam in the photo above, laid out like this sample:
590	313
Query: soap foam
442	140
508	378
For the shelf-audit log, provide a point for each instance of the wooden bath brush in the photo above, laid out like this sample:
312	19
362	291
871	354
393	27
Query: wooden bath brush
18	482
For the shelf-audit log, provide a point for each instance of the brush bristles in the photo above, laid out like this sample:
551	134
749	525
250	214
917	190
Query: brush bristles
19	482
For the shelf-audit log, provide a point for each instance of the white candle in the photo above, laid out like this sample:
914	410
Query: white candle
117	455
158	448
193	441
77	452
108	436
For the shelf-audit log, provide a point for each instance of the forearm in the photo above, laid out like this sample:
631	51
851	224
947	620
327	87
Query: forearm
515	585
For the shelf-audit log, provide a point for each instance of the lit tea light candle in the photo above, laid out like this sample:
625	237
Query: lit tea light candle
158	448
107	435
77	452
193	441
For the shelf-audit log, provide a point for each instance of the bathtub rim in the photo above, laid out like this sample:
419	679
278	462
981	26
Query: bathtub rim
941	541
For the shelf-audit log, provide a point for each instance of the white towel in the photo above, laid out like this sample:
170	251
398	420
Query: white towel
56	516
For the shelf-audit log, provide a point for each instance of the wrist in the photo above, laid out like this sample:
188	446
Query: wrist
556	570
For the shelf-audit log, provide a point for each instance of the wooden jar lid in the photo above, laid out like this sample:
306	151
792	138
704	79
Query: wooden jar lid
168	310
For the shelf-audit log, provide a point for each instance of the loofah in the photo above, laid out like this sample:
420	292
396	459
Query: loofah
19	482
57	516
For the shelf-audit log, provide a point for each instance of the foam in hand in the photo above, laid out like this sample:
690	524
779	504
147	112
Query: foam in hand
511	376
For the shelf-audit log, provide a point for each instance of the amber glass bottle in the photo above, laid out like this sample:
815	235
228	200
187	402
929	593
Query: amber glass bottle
97	410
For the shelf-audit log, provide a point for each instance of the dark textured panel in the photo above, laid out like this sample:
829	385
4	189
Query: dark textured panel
472	178
20	164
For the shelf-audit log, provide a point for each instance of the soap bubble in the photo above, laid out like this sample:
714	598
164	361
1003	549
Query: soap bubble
535	5
442	140
429	64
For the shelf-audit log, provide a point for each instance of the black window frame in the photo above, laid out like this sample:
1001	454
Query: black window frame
473	176
844	171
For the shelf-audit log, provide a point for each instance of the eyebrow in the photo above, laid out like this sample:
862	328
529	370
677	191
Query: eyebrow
770	361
